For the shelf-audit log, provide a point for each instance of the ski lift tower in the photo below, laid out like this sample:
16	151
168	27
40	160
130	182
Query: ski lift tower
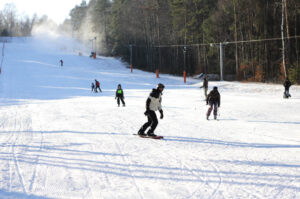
95	54
184	63
220	45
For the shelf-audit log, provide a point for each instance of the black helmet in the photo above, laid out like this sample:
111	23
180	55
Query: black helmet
160	85
215	88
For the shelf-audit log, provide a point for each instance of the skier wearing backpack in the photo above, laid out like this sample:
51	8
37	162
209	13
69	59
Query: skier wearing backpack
213	100
153	104
97	83
287	84
120	95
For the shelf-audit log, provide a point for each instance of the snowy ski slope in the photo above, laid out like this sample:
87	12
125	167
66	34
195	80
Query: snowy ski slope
60	140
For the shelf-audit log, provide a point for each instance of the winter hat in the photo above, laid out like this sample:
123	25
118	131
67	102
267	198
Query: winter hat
160	85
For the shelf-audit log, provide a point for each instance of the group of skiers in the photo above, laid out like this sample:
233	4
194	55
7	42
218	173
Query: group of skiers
153	103
119	92
96	86
213	98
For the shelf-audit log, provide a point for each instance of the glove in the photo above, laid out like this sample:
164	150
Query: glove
161	114
146	112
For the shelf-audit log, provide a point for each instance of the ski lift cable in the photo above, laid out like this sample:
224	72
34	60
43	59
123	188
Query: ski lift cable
223	43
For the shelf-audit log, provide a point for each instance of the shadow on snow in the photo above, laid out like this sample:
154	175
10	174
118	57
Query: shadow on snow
16	195
61	156
227	143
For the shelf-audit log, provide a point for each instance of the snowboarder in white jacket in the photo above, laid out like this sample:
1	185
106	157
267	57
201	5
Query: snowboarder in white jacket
153	104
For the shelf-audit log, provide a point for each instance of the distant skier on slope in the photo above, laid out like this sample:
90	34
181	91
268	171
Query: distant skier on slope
97	83
93	87
287	84
120	95
213	99
205	86
61	62
153	104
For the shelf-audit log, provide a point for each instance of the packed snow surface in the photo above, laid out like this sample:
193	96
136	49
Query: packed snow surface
60	140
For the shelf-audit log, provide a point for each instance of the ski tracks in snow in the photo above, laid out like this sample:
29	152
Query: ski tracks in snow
20	138
36	163
126	161
17	167
197	192
18	126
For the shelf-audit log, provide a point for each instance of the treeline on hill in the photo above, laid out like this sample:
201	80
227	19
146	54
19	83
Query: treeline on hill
14	25
11	25
158	30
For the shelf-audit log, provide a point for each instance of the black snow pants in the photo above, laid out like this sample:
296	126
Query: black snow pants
98	87
122	100
152	121
287	92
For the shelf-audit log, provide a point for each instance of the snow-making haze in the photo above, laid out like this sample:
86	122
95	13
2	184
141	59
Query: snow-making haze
60	140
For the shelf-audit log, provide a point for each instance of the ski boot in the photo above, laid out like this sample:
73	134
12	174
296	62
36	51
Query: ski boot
141	133
151	134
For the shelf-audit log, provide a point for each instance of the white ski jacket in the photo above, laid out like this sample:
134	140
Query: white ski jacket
155	103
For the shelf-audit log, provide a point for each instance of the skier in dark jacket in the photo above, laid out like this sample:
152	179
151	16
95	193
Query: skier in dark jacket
205	86
153	104
61	62
287	84
97	83
93	87
213	99
120	95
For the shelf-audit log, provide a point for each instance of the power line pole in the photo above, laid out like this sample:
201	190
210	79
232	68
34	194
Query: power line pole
282	37
95	55
131	66
221	62
184	64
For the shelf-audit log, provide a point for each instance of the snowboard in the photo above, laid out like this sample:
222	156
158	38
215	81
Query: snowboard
212	119
158	137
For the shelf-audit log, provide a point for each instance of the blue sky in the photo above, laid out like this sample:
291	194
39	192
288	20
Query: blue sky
58	10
